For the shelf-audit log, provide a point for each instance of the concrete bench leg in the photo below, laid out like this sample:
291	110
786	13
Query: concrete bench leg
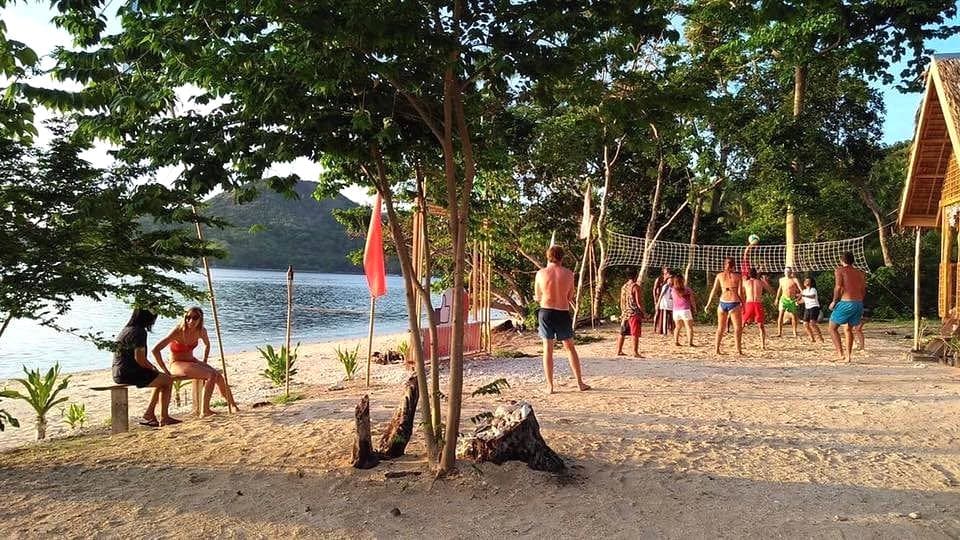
119	411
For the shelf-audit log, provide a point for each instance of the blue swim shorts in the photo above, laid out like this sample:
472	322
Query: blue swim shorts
555	324
847	312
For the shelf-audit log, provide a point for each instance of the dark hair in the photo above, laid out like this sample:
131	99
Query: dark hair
753	273
555	254
729	260
144	318
847	257
813	282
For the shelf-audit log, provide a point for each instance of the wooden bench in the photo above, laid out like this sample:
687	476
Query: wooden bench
119	404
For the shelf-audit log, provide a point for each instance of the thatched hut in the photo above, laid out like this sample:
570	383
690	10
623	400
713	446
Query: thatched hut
931	196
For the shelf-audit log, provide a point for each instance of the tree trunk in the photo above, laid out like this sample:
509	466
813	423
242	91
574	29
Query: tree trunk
512	434
608	163
394	441
363	456
871	203
6	322
434	395
693	239
652	222
799	95
410	286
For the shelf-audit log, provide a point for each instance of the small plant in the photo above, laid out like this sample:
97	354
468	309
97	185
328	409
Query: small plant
276	371
75	415
178	386
348	359
42	391
583	339
284	399
510	353
491	389
403	348
5	416
219	403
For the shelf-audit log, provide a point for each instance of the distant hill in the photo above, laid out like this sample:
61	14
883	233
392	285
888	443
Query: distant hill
300	232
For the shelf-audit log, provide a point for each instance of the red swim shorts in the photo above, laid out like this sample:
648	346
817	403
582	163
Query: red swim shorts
633	326
753	312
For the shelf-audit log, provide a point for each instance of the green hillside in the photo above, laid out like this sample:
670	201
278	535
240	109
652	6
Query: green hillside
301	232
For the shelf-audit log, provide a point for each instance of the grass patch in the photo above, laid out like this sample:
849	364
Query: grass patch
218	403
283	399
510	353
583	339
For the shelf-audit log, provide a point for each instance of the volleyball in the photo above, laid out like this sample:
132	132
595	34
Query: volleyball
753	239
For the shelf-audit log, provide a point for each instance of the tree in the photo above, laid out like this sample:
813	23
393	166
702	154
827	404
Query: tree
68	229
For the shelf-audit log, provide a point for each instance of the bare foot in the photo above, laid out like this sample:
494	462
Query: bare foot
637	355
168	421
620	353
207	413
584	387
676	343
235	406
549	390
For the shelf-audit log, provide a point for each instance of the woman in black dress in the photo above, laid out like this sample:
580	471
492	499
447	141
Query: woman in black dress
130	366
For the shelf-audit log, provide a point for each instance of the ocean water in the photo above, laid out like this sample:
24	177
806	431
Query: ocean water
252	309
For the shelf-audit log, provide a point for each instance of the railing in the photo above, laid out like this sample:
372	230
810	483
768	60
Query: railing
471	338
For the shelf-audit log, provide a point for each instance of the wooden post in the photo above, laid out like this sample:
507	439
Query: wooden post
587	246
289	325
916	293
363	455
216	321
373	309
119	410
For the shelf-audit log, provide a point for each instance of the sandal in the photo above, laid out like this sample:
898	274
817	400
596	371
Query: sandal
149	422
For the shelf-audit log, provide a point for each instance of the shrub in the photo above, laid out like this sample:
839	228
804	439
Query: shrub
75	415
348	359
277	363
178	386
403	348
42	391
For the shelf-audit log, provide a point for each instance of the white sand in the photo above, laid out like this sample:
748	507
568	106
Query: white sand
680	445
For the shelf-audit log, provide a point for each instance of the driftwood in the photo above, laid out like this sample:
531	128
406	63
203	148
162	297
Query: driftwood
394	440
512	433
363	456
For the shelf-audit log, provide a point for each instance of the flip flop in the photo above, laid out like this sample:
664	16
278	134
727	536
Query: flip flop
149	423
170	422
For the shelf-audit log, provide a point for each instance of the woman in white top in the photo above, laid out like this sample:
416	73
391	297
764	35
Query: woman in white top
665	305
811	309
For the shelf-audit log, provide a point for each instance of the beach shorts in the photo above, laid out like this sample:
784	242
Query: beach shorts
847	312
555	324
682	315
753	312
788	304
632	326
811	314
134	374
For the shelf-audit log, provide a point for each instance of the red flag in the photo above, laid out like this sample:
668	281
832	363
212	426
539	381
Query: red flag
373	260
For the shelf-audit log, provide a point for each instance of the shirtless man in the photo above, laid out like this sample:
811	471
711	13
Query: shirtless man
753	288
729	283
788	292
631	316
553	289
847	304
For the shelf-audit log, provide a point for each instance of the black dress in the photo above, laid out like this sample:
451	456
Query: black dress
126	370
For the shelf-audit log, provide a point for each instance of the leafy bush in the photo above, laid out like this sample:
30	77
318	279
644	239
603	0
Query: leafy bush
5	417
348	359
42	391
75	415
276	371
491	389
403	348
284	399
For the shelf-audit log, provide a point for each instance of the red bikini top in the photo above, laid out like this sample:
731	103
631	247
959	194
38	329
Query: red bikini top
176	347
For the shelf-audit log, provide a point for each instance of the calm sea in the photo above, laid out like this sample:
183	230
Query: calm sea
252	308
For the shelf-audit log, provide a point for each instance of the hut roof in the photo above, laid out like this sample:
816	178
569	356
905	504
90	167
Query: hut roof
935	141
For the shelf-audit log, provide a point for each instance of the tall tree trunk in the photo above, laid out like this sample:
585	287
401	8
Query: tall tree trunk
608	162
654	210
459	200
434	396
6	322
410	287
799	95
693	238
871	203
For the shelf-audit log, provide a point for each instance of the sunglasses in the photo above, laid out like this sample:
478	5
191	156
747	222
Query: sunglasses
192	317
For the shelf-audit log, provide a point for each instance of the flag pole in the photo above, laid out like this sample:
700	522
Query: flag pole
289	324
373	309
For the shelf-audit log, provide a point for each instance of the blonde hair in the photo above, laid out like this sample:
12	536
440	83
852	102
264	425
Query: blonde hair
555	254
182	325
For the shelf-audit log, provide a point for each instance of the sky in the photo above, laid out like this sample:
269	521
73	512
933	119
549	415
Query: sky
30	23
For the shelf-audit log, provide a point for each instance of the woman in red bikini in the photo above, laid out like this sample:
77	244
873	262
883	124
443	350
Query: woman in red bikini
183	339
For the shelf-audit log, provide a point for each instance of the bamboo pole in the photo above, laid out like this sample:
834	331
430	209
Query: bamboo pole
373	309
289	326
216	319
583	264
590	271
489	286
916	293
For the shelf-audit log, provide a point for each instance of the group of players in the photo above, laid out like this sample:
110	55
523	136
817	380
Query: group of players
740	303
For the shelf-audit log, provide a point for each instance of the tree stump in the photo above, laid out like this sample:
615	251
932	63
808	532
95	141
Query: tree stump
363	456
394	441
512	433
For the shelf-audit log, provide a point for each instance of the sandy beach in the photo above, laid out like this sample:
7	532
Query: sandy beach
680	444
